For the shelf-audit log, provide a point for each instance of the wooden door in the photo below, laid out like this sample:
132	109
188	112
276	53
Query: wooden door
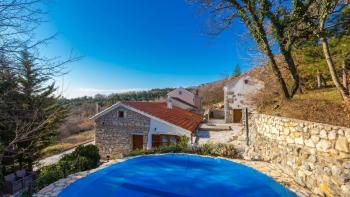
137	142
155	141
237	115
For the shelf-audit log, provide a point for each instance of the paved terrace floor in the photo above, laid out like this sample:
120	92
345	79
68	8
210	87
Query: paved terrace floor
264	167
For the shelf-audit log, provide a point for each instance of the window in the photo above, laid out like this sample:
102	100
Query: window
246	81
180	92
120	114
168	139
163	140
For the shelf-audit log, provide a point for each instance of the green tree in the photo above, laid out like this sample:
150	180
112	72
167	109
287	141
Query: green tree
311	66
237	71
35	113
310	55
325	12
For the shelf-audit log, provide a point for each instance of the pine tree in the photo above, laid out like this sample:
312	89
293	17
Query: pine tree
237	71
39	112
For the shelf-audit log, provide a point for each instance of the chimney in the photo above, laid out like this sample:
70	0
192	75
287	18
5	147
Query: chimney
97	107
169	104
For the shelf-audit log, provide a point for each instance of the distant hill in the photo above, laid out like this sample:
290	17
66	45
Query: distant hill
211	93
107	100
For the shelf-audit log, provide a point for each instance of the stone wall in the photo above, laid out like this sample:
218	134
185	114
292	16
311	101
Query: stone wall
114	135
315	155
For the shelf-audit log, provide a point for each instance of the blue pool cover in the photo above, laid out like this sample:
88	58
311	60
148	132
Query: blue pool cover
176	175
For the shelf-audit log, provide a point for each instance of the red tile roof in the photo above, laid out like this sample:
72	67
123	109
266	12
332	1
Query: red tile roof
177	116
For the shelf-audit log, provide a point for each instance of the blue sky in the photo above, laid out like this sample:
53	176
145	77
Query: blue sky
137	44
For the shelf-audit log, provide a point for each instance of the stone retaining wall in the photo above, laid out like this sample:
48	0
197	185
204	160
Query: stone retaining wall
316	155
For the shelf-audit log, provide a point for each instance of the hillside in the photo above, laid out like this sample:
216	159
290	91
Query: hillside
212	93
323	105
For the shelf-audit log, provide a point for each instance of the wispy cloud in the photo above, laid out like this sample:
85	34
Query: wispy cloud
93	91
110	90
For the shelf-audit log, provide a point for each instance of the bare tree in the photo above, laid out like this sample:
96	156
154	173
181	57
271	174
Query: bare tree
26	131
272	24
18	20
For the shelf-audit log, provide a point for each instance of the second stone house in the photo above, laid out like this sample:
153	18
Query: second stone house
237	94
185	99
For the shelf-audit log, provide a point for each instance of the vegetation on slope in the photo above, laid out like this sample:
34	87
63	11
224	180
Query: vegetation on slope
322	106
68	143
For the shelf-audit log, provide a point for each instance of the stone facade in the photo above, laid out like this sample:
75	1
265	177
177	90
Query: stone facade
316	155
114	134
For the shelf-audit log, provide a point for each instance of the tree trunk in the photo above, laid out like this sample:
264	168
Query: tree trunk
343	91
301	91
318	76
275	69
324	81
280	79
292	69
345	76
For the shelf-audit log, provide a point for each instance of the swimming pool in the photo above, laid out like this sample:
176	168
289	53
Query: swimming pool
176	175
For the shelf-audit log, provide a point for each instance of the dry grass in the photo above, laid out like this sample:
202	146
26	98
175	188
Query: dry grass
69	142
324	106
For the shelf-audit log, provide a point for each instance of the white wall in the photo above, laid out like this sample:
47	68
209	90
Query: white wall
158	127
239	92
185	95
180	104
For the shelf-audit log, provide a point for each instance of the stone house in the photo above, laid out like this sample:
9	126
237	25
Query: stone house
237	95
185	99
127	126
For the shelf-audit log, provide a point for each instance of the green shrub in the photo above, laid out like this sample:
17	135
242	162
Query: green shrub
219	149
230	151
178	147
48	175
172	148
90	154
183	142
1	180
81	159
1	174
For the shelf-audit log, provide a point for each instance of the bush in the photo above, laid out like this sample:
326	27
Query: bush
83	158
90	153
1	181
219	149
48	175
1	175
178	147
183	142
